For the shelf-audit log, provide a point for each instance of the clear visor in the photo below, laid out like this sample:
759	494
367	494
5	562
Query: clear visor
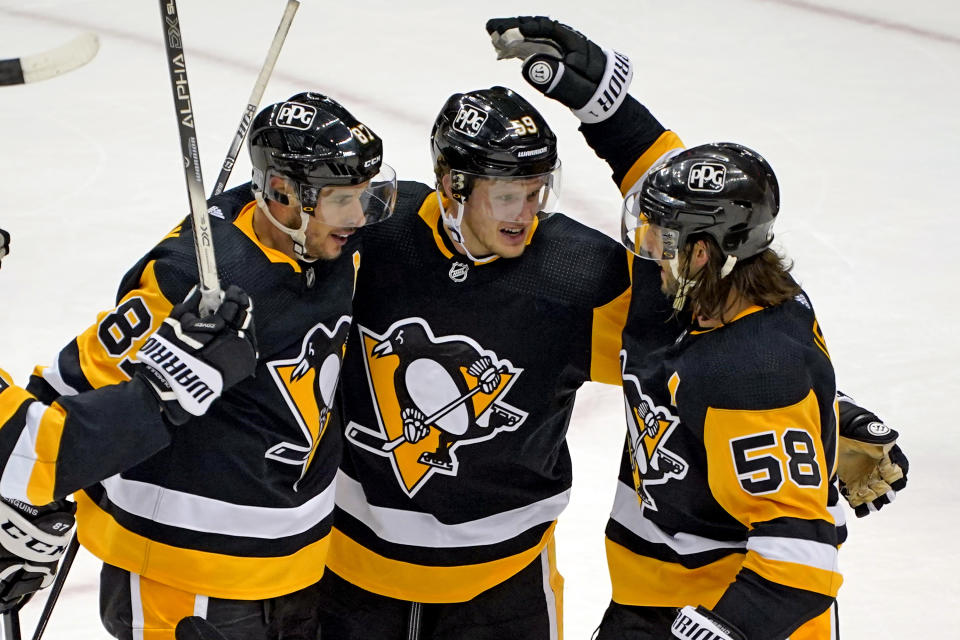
514	199
351	205
644	237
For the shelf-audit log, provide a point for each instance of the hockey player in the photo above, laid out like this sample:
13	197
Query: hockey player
219	351
478	315
871	465
236	510
742	531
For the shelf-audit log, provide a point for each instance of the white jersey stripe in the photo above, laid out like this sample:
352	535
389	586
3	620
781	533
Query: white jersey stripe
16	475
805	552
197	513
55	379
627	511
425	530
549	595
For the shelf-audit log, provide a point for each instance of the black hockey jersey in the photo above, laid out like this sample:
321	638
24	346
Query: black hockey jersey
31	434
726	495
448	516
727	474
239	503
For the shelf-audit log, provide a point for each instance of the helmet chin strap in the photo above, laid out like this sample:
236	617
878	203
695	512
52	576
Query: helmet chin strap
685	284
299	236
453	222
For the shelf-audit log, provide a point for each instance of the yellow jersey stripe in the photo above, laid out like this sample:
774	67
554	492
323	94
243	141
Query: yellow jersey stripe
212	574
406	581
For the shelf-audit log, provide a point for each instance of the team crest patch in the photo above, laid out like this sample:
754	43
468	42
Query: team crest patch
307	384
434	397
649	427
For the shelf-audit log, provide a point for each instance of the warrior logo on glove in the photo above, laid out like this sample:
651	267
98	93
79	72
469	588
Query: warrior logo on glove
433	395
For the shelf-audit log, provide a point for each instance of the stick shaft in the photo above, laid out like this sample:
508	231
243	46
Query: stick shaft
202	234
57	587
258	88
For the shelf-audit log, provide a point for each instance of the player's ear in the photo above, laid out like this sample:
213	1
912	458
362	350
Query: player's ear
700	254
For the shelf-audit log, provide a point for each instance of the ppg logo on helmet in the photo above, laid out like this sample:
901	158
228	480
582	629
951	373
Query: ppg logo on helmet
469	121
296	115
706	176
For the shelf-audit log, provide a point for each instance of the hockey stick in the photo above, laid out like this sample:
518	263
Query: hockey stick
47	64
11	625
202	235
258	88
57	587
383	444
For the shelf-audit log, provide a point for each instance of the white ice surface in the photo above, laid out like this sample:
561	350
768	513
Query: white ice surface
854	103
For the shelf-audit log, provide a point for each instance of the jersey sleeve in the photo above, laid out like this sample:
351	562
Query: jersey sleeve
49	451
606	335
631	141
82	419
769	469
104	353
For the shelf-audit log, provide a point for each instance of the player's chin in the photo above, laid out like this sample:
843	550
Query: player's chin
511	241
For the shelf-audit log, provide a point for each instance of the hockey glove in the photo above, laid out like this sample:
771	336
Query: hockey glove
4	244
32	540
694	624
189	361
871	467
563	64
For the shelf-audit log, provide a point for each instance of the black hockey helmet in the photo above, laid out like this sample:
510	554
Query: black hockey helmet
492	133
723	189
313	141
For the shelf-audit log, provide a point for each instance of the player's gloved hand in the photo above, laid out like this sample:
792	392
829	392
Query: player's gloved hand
189	361
486	374
32	540
4	244
871	467
693	624
413	428
563	64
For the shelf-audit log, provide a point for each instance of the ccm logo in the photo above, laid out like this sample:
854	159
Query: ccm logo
706	176
469	120
296	115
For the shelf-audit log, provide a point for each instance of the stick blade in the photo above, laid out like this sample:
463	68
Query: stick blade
60	60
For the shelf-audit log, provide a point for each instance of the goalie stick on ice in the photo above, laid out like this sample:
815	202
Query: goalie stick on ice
48	64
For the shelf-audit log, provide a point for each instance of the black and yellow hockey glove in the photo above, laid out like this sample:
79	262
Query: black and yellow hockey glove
563	64
871	467
189	361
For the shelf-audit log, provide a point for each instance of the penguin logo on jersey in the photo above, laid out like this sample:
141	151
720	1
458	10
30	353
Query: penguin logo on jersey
307	384
649	427
432	396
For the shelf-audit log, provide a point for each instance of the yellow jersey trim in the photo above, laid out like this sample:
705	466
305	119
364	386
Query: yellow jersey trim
212	574
418	583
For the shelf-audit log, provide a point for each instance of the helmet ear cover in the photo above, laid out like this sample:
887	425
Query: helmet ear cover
461	185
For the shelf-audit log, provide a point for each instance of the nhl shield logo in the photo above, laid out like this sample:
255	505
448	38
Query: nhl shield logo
433	397
458	271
